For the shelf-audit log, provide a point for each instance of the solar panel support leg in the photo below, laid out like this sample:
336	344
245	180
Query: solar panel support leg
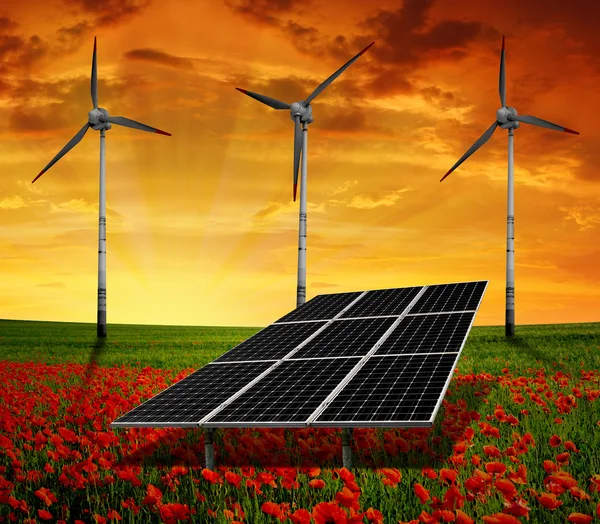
209	450
346	448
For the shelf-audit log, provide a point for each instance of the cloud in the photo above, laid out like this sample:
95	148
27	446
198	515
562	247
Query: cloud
159	57
275	209
19	52
24	121
367	202
271	210
32	188
261	11
13	202
407	37
6	24
444	99
344	187
585	216
79	205
72	37
306	39
111	12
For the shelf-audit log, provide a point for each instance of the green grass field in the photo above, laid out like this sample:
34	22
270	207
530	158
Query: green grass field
539	386
179	347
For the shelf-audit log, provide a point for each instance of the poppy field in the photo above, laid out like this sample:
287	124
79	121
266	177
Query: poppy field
517	438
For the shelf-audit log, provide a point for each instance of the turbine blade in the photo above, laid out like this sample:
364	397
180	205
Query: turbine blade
480	141
297	150
70	145
94	78
502	81
271	102
534	121
320	89
126	122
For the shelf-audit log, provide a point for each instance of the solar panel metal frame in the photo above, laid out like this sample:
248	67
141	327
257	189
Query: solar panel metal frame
265	424
405	423
117	424
312	420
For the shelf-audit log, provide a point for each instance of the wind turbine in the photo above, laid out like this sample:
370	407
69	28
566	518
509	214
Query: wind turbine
508	118
100	120
301	114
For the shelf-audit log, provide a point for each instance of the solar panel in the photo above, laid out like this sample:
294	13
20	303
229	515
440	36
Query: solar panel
322	307
272	343
391	391
374	358
464	296
287	395
186	402
346	338
444	332
382	302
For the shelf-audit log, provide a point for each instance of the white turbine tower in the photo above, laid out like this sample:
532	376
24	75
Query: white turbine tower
507	118
100	120
301	113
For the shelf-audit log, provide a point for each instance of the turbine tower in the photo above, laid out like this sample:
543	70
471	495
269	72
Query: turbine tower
100	120
508	118
301	113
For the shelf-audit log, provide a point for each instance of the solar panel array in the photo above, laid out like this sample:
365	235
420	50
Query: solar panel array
372	358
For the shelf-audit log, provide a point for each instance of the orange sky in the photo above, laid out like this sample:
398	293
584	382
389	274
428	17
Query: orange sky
202	229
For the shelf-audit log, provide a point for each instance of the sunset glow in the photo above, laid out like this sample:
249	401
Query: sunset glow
201	226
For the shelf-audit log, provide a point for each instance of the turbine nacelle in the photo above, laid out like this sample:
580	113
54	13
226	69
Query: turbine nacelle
304	112
504	117
98	119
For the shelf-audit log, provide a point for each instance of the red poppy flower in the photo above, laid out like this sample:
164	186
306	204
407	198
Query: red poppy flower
495	467
374	515
463	518
453	499
580	518
44	515
507	488
300	516
233	478
448	475
153	496
517	508
426	518
422	493
345	497
130	504
569	445
492	451
392	476
550	467
501	518
429	473
212	476
329	513
317	483
549	501
171	513
46	496
273	509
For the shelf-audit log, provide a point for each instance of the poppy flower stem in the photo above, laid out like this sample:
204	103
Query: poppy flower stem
346	448
209	450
